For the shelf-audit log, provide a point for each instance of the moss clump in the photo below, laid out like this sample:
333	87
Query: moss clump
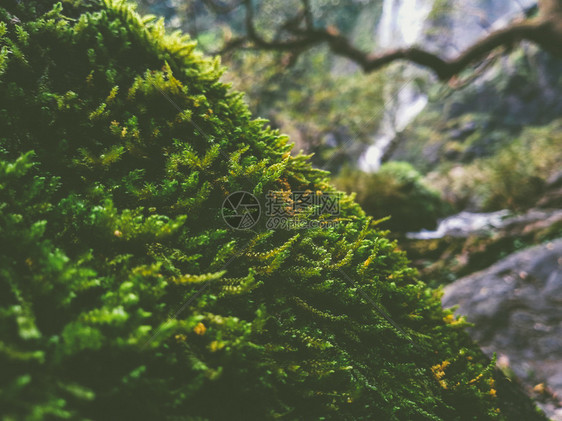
123	295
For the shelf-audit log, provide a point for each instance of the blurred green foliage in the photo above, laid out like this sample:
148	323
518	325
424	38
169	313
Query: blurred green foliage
514	177
396	190
124	296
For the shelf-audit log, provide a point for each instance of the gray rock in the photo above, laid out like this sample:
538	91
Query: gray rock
553	288
516	309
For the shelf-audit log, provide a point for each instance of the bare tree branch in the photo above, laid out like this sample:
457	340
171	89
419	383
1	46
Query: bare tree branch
308	19
445	69
545	31
303	42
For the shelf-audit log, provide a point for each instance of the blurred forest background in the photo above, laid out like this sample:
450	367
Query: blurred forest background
469	169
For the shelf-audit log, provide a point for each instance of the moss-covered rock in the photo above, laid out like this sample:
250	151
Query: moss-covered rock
124	295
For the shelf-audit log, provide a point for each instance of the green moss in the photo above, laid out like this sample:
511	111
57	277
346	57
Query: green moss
123	295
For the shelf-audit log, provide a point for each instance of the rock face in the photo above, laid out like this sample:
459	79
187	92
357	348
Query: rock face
516	308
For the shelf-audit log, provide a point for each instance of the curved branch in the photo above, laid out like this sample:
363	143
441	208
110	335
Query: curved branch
445	69
308	14
232	44
545	31
306	41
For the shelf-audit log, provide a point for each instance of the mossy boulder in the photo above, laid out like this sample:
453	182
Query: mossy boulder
124	295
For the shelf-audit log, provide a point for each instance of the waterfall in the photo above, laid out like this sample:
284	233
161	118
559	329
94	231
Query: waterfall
405	23
402	24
